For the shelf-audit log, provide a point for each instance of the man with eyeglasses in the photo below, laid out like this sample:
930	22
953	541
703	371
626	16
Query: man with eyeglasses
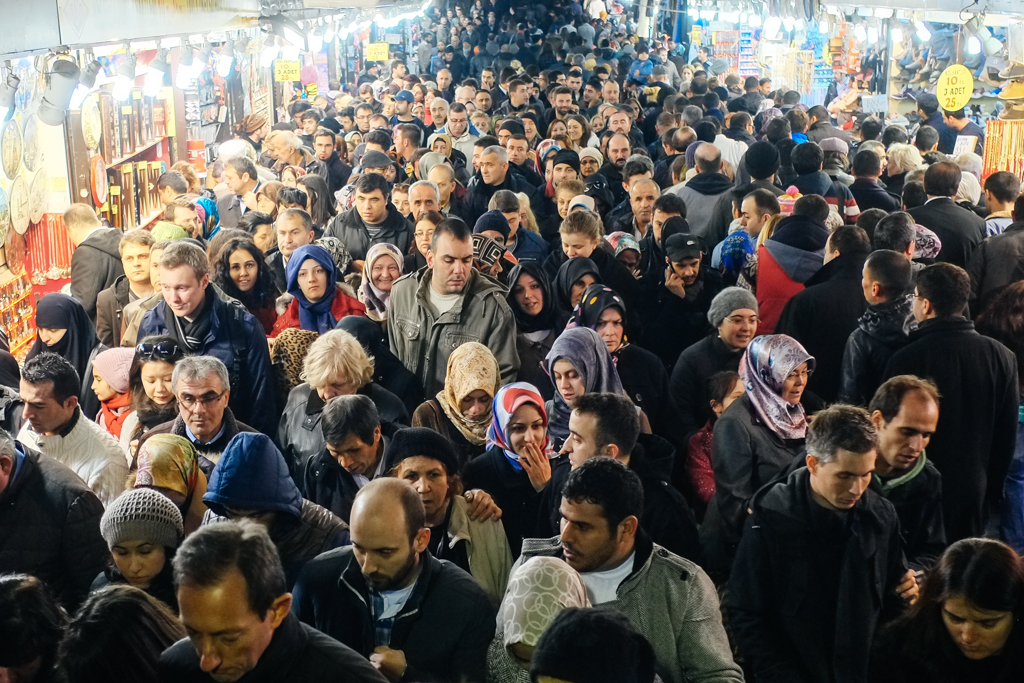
200	384
206	325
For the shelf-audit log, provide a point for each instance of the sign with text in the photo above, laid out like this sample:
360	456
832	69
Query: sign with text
954	87
876	104
377	52
286	70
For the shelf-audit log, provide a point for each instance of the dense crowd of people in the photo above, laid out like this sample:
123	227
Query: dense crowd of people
542	353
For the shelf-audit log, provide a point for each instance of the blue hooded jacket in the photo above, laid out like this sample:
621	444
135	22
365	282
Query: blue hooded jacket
253	475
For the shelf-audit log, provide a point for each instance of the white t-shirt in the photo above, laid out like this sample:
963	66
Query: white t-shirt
602	586
442	302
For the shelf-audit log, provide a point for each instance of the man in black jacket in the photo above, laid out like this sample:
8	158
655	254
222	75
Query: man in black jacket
959	229
998	261
338	171
607	424
230	581
49	523
134	248
95	262
905	412
977	378
415	618
494	175
822	316
882	330
820	561
374	219
867	167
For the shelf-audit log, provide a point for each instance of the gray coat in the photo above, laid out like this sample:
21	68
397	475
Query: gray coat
673	604
422	340
95	265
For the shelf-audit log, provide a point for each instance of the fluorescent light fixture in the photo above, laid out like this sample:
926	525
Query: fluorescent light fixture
973	45
771	27
8	91
61	83
872	35
316	39
125	80
859	33
884	12
330	31
922	31
897	35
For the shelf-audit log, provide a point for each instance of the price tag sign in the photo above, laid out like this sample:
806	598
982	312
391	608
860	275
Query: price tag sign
377	52
877	104
285	70
954	87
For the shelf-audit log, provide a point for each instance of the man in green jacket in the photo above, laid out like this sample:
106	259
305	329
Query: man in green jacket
435	310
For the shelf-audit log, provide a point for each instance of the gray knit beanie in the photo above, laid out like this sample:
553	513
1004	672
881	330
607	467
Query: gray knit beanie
728	300
142	515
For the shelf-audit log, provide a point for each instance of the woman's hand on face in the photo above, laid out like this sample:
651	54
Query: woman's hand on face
536	464
482	507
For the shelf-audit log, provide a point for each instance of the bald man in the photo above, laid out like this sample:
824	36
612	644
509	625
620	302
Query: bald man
415	618
701	194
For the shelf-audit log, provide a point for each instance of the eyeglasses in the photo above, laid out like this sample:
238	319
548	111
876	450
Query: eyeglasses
161	351
802	375
190	402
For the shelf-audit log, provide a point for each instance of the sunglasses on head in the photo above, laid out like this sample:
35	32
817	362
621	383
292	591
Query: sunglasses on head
162	350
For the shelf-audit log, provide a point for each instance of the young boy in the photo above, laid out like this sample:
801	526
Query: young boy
1001	190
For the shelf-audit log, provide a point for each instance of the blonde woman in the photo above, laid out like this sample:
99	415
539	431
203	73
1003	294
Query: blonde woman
526	218
335	365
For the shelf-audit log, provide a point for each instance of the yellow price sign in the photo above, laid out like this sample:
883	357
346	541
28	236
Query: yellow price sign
377	52
286	70
955	86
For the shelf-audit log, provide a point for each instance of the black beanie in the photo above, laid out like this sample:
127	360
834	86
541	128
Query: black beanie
494	221
512	126
567	156
420	441
587	645
762	160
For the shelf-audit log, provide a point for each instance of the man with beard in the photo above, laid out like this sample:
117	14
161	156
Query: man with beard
338	172
415	618
619	149
561	105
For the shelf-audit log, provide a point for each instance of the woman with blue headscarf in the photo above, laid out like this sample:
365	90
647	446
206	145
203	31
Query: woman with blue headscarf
320	301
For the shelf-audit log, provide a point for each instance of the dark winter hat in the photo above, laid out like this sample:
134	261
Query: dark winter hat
375	159
332	125
728	300
513	126
142	515
592	646
420	441
762	160
494	221
568	157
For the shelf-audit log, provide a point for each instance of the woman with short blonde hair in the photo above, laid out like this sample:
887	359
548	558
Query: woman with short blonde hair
335	365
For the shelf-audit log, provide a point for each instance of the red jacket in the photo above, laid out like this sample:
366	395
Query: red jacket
774	289
342	305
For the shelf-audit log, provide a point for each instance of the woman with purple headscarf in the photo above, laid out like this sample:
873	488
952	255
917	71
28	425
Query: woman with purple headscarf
756	439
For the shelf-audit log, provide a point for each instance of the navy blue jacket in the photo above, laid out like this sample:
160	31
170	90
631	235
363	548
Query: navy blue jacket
529	246
253	394
253	475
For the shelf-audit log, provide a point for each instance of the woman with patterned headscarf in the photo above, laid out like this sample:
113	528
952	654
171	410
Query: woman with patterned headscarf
521	472
537	592
171	465
461	411
382	267
756	439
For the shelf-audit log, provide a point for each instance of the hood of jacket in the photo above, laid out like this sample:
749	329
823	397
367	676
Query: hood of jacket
252	475
954	323
801	232
105	240
709	184
789	500
818	183
890	321
798	265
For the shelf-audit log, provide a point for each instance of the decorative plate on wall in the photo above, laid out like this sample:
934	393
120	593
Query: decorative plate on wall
11	148
33	154
38	195
98	169
19	206
92	123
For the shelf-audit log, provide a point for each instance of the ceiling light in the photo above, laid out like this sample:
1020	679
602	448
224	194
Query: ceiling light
872	35
771	27
125	80
86	83
897	35
8	91
225	59
316	39
922	31
330	31
61	83
823	26
158	68
859	33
